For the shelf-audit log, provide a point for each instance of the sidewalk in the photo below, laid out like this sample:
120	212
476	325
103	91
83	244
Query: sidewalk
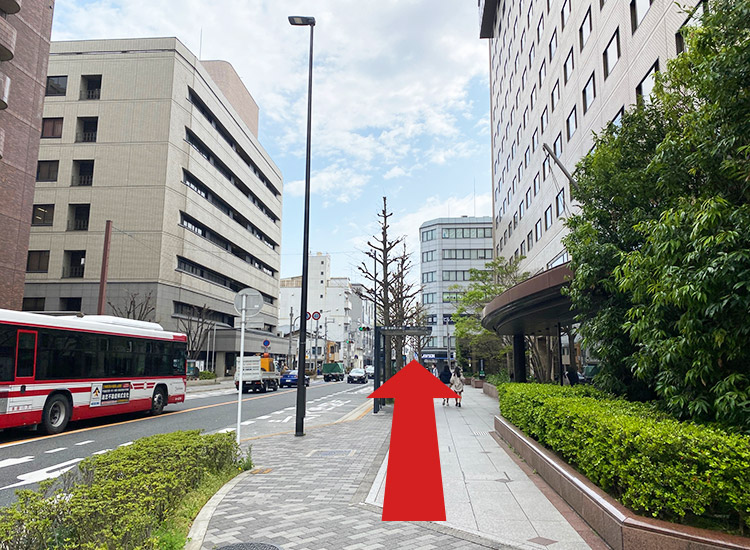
325	491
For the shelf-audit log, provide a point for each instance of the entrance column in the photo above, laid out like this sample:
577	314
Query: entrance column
519	358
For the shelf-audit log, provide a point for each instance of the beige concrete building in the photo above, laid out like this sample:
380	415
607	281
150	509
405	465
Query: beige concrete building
142	133
24	49
559	71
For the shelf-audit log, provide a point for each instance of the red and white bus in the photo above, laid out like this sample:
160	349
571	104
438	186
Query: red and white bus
57	369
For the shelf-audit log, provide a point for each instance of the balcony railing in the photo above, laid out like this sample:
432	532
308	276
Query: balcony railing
93	93
78	225
83	180
73	272
87	137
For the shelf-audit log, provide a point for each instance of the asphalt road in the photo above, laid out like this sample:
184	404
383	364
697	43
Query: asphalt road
28	457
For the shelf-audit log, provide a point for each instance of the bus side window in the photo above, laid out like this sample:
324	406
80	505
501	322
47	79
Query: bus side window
7	353
26	354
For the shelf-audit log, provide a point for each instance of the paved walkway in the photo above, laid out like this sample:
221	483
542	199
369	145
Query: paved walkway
325	491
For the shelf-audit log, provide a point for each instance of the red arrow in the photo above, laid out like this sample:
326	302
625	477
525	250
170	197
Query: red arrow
413	483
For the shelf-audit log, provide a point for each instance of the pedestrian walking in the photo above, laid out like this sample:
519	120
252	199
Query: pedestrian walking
445	378
457	385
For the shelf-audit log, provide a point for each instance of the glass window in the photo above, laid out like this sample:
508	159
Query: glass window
644	89
553	45
612	54
428	256
569	66
589	93
537	183
528	197
56	85
558	145
428	277
540	29
37	261
618	117
638	10
542	73
530	240
52	127
533	97
548	218
560	203
521	210
532	54
544	119
586	27
43	214
538	229
555	95
545	168
571	123
565	13
46	170
535	140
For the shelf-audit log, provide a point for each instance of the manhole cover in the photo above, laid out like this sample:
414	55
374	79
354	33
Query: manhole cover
342	453
251	546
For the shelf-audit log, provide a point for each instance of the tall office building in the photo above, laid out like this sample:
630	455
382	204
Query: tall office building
560	70
449	248
141	132
24	50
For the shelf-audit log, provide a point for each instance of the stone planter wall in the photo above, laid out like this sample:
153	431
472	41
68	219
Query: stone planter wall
490	390
620	527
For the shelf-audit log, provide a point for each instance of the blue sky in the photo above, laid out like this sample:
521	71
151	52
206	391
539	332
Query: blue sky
400	104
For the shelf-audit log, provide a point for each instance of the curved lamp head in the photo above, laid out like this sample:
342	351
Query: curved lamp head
302	20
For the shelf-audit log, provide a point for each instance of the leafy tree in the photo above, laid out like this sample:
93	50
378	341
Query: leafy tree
690	284
473	339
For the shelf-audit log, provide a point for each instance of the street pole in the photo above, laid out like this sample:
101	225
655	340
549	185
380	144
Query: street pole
213	348
105	267
300	420
242	366
291	329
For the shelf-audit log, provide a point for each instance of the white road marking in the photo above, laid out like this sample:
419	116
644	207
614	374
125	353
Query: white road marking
45	473
13	461
287	419
125	444
247	422
53	451
85	442
101	452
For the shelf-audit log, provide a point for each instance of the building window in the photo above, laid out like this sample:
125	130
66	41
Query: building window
548	218
565	13
521	210
37	261
428	277
450	297
589	93
553	45
91	86
532	101
540	29
555	95
523	248
544	119
428	256
572	123
542	73
525	118
428	235
693	21
33	304
532	54
617	121
428	298
56	86
52	127
538	229
612	54
43	214
87	129
638	10
545	168
527	157
558	145
644	89
523	80
537	184
560	203
46	170
535	140
83	173
585	31
569	66
528	197
70	304
530	241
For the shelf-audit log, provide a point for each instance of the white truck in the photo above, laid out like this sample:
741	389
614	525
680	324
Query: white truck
258	374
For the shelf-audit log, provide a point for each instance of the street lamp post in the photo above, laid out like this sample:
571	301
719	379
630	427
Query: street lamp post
300	424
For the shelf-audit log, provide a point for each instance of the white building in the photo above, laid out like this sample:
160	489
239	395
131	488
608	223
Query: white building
449	248
559	71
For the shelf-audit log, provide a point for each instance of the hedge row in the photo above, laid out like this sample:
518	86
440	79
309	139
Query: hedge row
117	500
649	461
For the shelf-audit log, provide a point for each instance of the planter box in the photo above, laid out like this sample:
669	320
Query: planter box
620	527
490	390
477	383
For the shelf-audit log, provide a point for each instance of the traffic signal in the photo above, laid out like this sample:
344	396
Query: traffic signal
365	328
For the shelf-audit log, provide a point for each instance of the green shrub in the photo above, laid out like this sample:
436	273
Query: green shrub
649	461
206	375
501	377
119	499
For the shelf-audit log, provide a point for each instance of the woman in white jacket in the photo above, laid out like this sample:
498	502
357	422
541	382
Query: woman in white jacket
457	385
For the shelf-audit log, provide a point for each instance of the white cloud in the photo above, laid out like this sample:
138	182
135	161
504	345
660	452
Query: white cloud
395	172
335	182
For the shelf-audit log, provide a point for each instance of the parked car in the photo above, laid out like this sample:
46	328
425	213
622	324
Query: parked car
370	370
356	375
289	378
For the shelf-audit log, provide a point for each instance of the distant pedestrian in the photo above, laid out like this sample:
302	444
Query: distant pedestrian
572	375
445	378
457	385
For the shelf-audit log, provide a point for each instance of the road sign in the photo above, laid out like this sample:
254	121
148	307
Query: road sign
316	315
266	343
253	302
307	316
406	331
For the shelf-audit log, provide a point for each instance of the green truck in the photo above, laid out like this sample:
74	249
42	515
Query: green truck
333	371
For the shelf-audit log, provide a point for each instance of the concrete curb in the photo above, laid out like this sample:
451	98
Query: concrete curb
200	523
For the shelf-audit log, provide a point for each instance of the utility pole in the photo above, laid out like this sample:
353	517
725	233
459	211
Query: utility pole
291	329
105	268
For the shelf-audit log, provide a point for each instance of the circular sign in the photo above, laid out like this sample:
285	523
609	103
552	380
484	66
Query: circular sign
253	302
316	315
266	343
307	316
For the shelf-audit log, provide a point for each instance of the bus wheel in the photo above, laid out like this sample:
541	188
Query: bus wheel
56	414
158	401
